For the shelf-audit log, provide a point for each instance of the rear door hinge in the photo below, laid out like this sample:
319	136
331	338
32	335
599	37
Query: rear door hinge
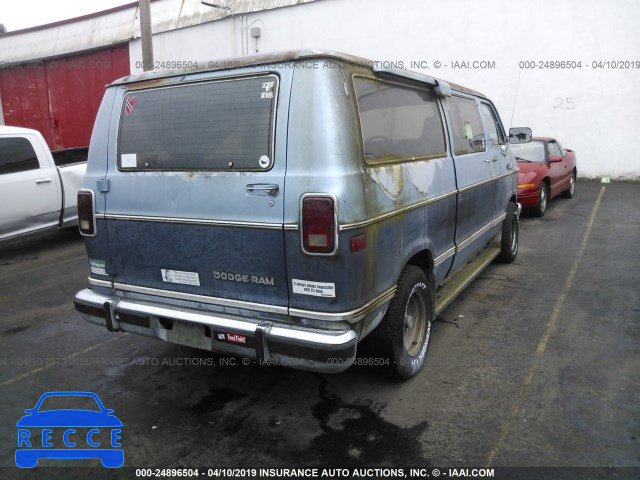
103	185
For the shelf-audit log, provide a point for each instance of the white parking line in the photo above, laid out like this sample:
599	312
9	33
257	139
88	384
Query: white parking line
542	345
63	360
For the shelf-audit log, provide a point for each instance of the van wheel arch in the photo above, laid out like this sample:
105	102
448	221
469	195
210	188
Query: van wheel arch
422	259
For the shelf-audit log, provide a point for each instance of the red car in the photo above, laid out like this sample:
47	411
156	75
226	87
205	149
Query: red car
546	170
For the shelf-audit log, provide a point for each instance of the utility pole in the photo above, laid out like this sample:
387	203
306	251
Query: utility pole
145	31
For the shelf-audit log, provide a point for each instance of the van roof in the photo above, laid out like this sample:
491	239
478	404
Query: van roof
292	56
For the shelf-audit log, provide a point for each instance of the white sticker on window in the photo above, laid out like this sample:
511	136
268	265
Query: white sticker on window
184	278
264	161
129	160
315	289
267	90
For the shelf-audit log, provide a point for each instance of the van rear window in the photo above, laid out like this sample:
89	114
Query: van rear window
398	123
218	125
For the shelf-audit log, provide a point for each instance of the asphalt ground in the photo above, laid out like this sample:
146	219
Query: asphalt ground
536	364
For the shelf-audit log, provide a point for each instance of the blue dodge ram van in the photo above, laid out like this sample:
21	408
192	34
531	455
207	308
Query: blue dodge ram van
284	207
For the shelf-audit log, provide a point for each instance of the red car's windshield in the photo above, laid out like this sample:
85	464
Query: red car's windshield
531	152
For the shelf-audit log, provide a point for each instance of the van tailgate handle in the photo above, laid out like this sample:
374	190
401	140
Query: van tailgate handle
263	190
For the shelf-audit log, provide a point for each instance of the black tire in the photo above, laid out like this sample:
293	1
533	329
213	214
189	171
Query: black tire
543	199
509	243
406	327
571	191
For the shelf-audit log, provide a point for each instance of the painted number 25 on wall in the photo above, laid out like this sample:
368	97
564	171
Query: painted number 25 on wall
564	103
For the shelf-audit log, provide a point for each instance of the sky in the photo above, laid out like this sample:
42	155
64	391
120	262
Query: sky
16	15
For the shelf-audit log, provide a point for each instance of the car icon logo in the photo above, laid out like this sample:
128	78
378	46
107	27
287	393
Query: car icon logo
69	425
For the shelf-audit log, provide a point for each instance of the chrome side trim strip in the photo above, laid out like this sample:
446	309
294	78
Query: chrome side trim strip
192	221
441	258
384	216
193	297
352	316
467	241
423	203
100	283
488	180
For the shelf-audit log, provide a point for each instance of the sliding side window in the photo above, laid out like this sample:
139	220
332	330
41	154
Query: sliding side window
398	123
466	124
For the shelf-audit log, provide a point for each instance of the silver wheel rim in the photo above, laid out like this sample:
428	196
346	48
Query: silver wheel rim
415	323
543	199
572	185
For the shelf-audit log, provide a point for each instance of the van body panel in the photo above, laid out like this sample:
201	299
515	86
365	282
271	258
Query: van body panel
475	178
99	158
199	217
205	231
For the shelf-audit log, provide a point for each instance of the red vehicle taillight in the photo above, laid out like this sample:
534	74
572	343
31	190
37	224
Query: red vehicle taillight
86	212
319	224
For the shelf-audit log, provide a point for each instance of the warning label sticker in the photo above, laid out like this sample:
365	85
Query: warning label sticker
315	289
98	266
176	276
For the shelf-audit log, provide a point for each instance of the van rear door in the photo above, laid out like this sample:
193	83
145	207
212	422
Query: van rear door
195	203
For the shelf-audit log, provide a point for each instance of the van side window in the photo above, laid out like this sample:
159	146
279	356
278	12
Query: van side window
468	133
398	123
496	134
216	125
17	155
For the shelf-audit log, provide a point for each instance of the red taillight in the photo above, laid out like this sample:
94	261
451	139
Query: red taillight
86	213
318	224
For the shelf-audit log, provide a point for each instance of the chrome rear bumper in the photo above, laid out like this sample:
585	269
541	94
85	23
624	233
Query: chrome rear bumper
267	342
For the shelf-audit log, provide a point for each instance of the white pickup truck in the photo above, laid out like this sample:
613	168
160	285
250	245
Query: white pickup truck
38	189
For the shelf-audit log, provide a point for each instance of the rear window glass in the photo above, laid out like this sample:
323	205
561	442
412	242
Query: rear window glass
398	123
17	155
219	125
468	133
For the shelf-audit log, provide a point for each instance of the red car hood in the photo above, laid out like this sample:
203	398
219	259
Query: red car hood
529	171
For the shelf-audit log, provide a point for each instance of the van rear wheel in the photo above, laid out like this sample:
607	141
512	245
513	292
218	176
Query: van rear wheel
509	242
406	328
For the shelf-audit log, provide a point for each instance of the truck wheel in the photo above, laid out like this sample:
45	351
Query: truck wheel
570	192
510	235
543	196
406	327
